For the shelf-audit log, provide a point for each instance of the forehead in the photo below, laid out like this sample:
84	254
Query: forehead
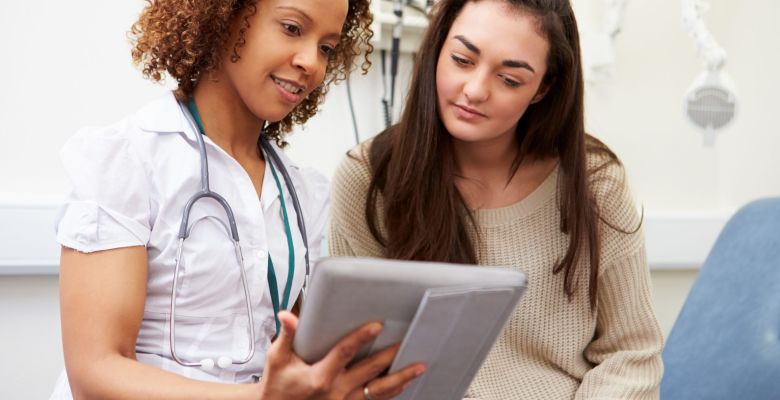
330	14
499	29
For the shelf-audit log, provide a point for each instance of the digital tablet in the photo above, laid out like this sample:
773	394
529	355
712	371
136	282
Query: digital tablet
346	293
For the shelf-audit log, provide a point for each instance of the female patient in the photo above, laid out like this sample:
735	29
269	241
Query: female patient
490	164
239	65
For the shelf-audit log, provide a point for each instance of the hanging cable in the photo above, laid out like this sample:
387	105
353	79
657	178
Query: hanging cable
395	49
385	102
352	111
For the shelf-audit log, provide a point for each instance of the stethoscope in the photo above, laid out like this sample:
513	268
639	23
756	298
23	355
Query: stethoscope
190	111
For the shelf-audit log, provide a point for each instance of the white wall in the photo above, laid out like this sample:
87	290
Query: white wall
639	112
30	339
66	64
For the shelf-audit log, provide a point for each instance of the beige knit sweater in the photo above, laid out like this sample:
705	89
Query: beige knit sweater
551	348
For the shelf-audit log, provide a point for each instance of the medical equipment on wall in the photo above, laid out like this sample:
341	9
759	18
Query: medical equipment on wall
386	110
394	18
710	102
388	94
598	47
191	113
388	91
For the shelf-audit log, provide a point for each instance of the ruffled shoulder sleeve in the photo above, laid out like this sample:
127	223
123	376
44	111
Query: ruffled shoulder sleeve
109	202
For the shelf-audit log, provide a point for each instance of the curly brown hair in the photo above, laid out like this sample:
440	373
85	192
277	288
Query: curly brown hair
186	38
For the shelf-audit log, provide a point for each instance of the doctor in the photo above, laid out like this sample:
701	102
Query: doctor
183	240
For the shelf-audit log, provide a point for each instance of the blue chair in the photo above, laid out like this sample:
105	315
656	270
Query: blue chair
725	343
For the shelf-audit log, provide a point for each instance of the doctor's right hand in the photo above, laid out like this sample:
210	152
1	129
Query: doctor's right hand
287	376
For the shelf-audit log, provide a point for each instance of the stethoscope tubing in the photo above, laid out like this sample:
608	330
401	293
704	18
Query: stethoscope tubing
269	149
206	192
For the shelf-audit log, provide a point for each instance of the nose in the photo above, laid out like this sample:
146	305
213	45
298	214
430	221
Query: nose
476	87
308	60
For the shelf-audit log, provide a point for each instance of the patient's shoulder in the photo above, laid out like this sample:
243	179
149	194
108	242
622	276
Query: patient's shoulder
354	171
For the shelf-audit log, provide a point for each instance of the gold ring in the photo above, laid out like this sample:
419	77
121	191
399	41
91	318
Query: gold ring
366	394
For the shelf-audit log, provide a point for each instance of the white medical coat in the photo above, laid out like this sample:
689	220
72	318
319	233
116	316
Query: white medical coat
130	183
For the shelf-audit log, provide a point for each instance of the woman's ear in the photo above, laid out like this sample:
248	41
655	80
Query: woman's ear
540	94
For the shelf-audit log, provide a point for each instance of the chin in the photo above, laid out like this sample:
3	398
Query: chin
466	132
273	120
273	116
269	110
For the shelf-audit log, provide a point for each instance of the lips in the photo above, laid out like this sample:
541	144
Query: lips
467	113
291	91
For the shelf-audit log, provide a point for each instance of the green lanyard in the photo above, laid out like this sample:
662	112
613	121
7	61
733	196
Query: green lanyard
272	285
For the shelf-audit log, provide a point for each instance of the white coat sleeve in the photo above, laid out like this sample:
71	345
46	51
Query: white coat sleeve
109	203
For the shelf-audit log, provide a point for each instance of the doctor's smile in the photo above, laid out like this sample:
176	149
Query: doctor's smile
291	92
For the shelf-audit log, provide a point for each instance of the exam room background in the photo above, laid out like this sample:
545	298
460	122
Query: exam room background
66	65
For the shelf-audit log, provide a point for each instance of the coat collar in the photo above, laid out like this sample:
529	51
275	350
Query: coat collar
165	115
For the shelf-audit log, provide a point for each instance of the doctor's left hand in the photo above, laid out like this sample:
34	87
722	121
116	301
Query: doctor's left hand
287	376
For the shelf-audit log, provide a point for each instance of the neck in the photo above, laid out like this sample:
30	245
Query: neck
227	121
485	168
486	161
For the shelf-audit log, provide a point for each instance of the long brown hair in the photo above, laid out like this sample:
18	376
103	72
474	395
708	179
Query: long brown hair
424	214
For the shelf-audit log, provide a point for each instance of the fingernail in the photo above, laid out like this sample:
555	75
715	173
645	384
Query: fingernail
419	371
375	329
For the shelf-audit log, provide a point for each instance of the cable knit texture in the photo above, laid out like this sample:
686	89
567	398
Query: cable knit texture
551	348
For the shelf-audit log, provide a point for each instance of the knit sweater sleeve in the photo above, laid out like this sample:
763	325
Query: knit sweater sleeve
349	235
338	245
626	348
628	342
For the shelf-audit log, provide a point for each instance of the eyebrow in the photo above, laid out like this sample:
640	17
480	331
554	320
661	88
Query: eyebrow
298	10
309	19
507	63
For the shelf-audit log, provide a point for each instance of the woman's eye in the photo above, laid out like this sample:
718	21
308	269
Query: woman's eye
460	61
291	29
510	82
327	50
